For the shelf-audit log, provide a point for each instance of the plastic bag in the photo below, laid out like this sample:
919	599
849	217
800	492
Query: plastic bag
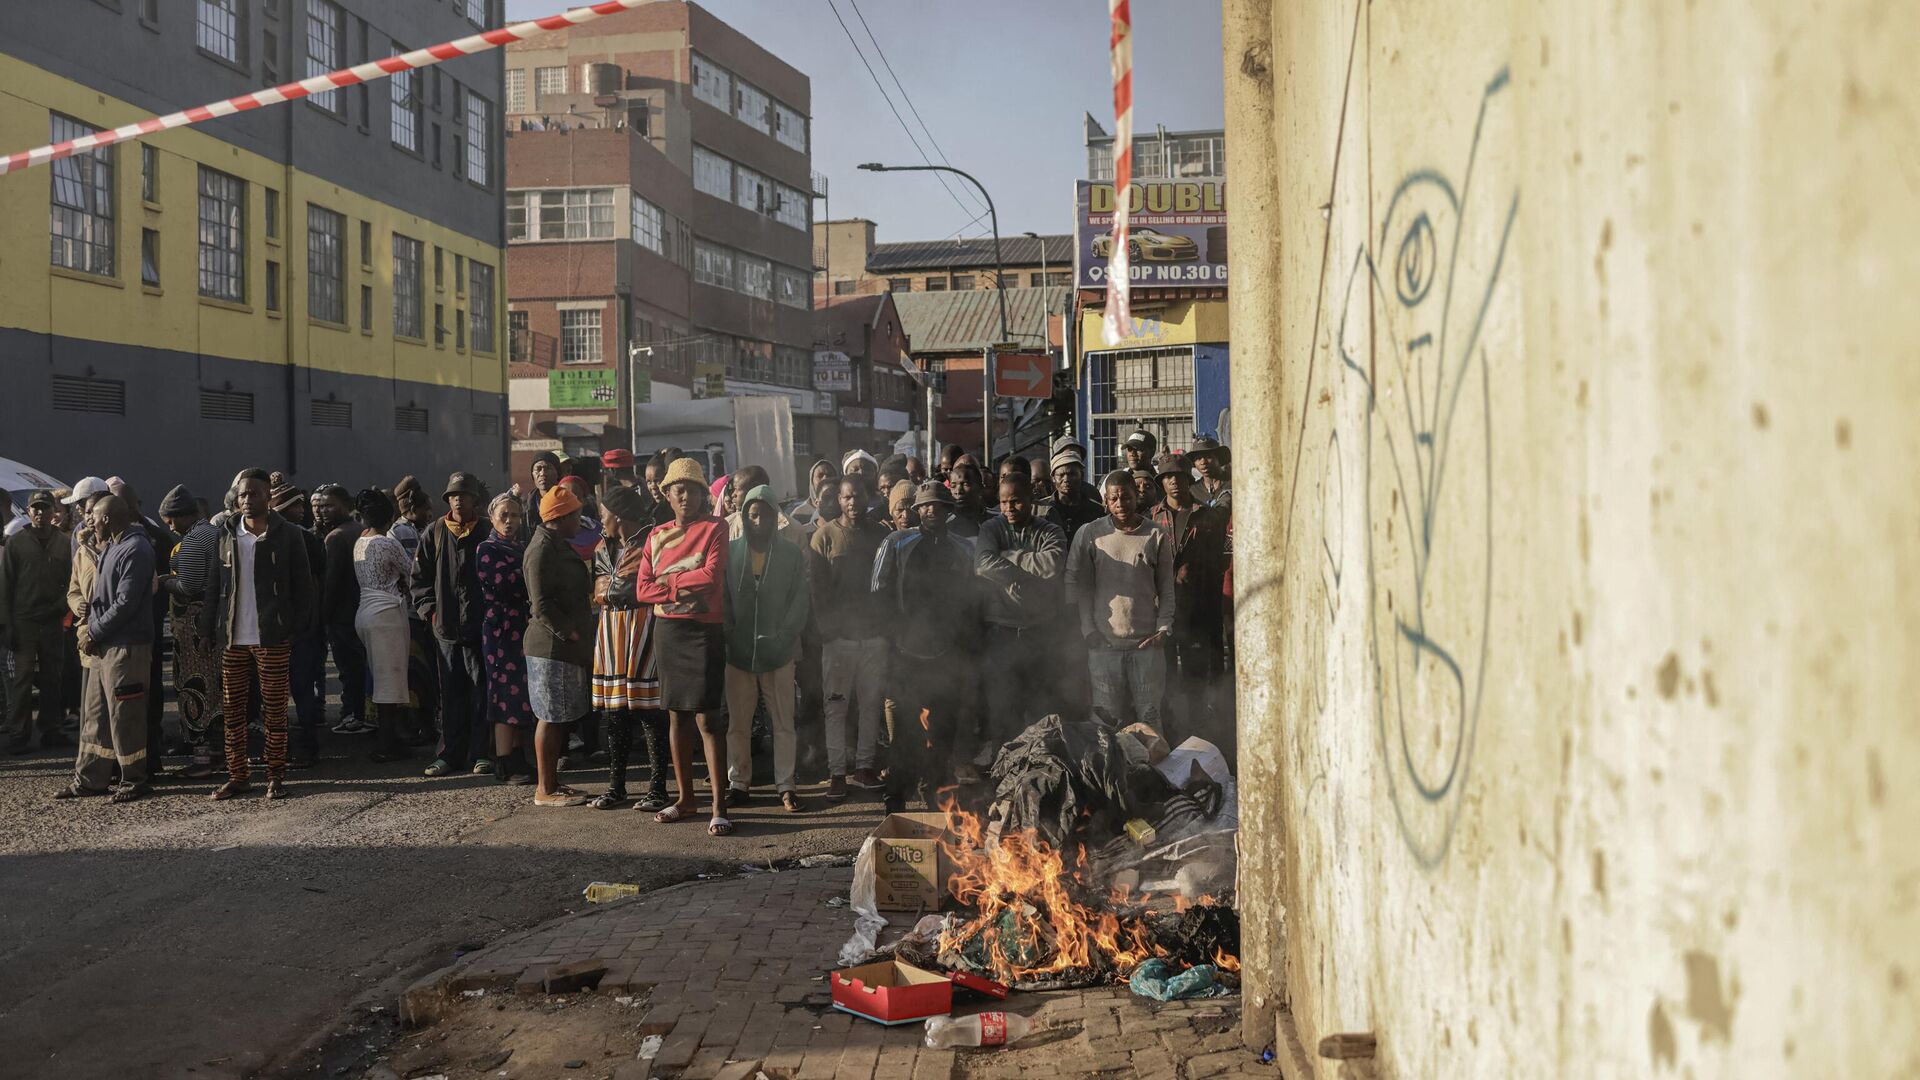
867	920
1199	755
1156	979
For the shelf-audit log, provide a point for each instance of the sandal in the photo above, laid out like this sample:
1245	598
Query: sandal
561	796
608	800
653	802
719	827
671	814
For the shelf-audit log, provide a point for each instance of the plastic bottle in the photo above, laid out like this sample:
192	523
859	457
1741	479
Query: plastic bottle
981	1029
601	892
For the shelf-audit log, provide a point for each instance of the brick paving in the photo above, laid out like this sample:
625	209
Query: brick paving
732	972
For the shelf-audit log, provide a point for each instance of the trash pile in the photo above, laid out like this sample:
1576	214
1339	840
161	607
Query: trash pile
1100	856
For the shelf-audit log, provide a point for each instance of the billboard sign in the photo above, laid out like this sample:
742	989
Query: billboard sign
581	389
832	371
1177	232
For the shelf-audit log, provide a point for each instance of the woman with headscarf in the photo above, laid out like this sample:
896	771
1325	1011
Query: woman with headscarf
382	570
503	628
559	640
683	574
626	681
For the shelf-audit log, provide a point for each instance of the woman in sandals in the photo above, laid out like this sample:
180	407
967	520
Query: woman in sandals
559	640
626	681
503	630
683	574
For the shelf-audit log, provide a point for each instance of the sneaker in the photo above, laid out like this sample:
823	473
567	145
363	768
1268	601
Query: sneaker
738	796
866	780
837	789
482	766
438	768
352	725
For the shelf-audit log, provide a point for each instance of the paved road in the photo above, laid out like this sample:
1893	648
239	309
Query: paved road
178	935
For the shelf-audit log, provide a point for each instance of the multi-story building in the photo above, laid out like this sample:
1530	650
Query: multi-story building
849	263
314	287
1160	154
658	209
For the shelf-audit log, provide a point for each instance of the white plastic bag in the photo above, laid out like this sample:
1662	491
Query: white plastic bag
1199	755
867	921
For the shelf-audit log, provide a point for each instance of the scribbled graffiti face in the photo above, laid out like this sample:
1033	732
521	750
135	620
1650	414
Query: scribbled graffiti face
1412	339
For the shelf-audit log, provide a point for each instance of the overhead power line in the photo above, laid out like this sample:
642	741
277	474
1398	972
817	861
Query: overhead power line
908	98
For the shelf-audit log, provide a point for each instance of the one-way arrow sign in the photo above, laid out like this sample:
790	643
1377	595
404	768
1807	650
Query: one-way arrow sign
1023	374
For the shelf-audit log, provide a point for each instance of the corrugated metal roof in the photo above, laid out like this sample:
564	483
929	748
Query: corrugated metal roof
977	252
841	322
969	321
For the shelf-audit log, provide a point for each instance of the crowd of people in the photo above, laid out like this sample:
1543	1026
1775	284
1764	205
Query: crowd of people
897	626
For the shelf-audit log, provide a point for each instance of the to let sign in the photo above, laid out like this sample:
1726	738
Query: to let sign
832	371
1023	374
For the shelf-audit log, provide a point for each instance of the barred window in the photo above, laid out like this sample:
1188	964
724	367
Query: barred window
406	107
223	236
217	28
580	336
549	80
712	173
479	137
81	214
751	108
712	84
516	90
789	127
482	300
649	226
409	260
712	264
323	48
326	264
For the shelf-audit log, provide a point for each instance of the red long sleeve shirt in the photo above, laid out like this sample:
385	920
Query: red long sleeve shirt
685	562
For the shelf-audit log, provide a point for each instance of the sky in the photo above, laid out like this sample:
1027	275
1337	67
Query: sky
1001	84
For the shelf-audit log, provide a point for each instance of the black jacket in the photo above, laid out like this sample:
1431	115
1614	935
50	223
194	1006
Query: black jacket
446	585
560	589
283	585
340	590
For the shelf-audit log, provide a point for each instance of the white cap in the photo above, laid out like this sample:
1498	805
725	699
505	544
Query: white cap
87	489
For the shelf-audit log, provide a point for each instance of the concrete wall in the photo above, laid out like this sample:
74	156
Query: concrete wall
1577	388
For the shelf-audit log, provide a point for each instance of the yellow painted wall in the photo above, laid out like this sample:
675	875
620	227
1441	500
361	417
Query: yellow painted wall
121	310
1179	322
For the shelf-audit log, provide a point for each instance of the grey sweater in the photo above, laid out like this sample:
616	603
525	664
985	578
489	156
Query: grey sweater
1121	582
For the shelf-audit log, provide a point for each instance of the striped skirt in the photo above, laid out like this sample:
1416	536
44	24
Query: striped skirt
625	675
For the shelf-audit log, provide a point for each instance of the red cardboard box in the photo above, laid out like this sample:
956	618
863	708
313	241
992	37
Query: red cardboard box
979	984
891	992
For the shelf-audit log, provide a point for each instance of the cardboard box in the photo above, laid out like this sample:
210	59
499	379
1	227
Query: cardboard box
910	871
891	992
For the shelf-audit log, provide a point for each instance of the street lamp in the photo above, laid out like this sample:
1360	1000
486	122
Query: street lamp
1000	286
1038	239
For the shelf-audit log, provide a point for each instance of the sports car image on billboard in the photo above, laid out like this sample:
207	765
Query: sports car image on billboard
1146	245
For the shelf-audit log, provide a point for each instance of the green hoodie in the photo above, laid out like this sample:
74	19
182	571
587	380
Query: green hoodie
764	615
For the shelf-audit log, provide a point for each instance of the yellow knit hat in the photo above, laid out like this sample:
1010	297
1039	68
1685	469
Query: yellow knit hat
683	469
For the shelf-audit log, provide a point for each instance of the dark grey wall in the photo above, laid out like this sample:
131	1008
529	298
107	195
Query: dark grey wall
105	44
162	440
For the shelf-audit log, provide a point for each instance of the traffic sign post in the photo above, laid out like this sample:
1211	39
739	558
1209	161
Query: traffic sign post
1023	374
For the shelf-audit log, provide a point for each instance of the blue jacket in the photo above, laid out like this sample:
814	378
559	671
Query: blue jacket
120	611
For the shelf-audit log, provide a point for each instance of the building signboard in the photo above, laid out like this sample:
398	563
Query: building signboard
832	371
1188	322
581	389
1176	233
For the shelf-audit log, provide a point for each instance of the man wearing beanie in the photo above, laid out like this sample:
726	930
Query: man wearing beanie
446	593
34	570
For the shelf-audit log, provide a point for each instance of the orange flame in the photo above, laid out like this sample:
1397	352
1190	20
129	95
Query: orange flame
1225	961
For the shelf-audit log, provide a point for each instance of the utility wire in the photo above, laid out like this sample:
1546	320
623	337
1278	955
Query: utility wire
888	98
904	96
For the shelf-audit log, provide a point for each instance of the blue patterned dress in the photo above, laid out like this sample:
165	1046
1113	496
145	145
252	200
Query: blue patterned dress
503	624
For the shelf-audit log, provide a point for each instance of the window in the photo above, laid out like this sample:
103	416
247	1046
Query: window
459	275
1148	157
1100	161
712	264
712	173
936	284
548	81
560	215
475	10
844	287
82	393
790	287
517	90
326	265
439	324
1059	277
366	308
81	206
149	173
323	48
1036	279
150	12
409	255
712	84
223	236
790	206
439	268
962	281
272	206
366	244
217	28
482	300
751	108
479	138
273	285
752	190
580	336
789	127
649	226
405	93
754	276
150	257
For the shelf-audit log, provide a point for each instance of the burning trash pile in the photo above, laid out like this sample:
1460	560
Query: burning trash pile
1099	856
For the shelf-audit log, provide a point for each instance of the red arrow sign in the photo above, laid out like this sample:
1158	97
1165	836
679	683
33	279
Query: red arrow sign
1023	374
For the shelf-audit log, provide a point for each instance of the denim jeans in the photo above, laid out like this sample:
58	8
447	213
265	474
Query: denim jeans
1128	683
465	733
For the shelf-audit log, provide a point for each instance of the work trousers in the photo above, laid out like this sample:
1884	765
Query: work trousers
1128	683
746	690
238	665
854	670
350	660
465	732
39	655
113	718
1021	679
923	750
307	672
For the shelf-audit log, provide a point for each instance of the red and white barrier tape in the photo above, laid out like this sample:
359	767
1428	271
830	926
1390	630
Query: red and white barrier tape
1119	319
332	80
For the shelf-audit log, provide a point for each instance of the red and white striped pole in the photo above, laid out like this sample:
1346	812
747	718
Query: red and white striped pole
332	80
1119	319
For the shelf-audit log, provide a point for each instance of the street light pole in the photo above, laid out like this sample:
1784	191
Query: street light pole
1000	286
1044	283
